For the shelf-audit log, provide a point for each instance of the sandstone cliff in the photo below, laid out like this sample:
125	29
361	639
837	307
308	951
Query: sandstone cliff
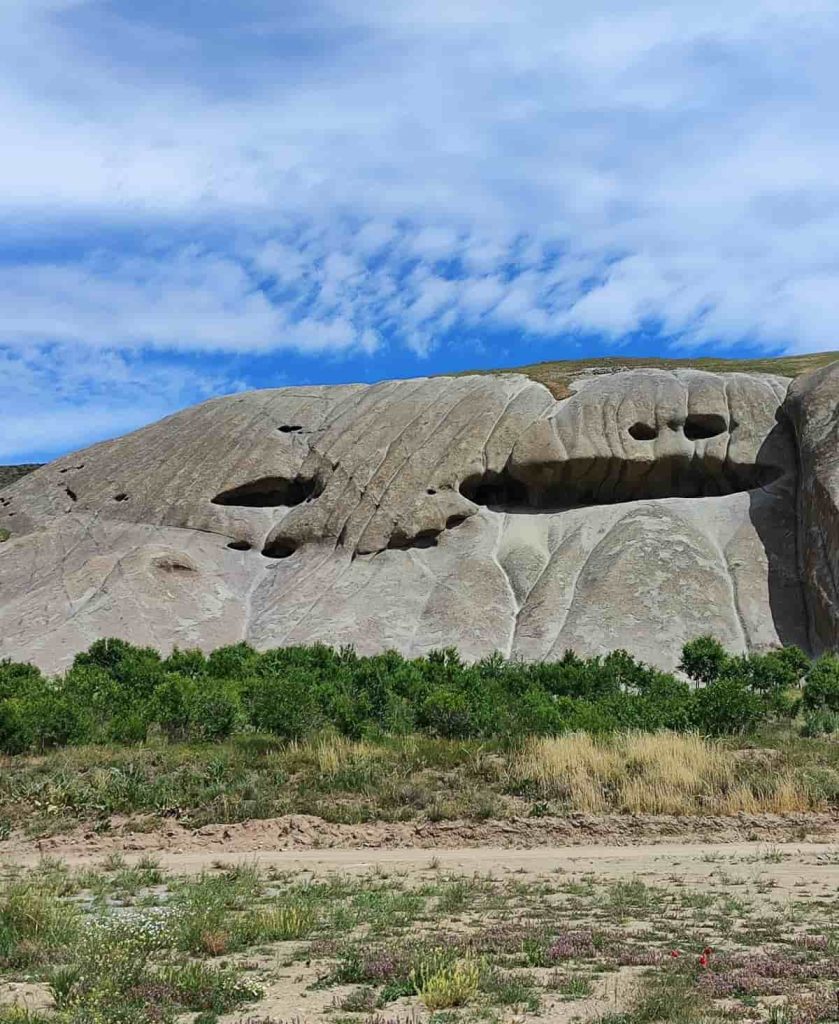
479	511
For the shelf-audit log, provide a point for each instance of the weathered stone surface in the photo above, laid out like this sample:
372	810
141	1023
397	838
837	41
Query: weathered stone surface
476	511
813	405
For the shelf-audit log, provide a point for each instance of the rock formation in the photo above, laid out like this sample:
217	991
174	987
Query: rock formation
648	507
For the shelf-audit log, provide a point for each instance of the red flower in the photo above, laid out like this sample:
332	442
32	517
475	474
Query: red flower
703	960
674	953
707	951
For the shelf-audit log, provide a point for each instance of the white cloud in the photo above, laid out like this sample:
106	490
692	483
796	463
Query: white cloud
59	397
344	177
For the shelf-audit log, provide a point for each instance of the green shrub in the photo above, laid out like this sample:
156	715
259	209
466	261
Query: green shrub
17	679
15	727
213	711
795	659
765	673
726	706
703	659
285	705
446	713
52	718
820	722
170	705
190	663
232	662
115	692
822	687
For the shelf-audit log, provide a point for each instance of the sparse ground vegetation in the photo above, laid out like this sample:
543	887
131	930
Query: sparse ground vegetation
126	942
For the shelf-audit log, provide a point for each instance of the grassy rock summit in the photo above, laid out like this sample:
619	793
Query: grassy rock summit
8	474
649	505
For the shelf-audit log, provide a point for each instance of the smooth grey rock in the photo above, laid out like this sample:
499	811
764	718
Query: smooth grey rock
475	511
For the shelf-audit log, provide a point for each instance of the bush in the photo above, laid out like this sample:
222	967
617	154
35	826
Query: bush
446	713
213	711
232	662
192	663
115	692
821	722
726	706
285	705
765	673
703	659
822	687
171	704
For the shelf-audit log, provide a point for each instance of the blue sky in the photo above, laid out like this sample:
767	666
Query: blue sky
200	196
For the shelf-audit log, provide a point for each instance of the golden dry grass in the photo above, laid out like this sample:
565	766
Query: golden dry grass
652	773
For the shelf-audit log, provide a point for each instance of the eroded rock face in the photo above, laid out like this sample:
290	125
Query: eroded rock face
813	405
476	511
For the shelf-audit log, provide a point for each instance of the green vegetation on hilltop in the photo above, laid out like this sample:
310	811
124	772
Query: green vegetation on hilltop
8	474
558	375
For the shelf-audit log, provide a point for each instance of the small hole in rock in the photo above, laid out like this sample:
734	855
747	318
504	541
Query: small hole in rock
700	426
70	494
122	496
499	489
431	490
171	565
293	428
424	539
454	521
279	547
643	432
239	545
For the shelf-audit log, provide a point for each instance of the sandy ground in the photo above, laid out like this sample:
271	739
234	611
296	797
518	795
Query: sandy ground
277	840
777	872
787	864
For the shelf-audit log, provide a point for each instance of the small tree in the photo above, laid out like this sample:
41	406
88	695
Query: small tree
822	687
703	659
726	706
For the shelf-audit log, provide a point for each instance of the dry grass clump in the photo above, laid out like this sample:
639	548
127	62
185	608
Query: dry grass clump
331	753
653	773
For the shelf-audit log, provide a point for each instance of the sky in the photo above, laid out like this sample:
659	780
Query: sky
200	196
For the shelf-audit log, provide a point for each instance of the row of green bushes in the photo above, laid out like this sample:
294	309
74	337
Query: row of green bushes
115	692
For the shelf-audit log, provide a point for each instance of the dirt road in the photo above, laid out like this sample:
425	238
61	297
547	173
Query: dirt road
796	851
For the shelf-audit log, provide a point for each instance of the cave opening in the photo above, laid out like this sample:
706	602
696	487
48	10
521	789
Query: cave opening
579	483
269	492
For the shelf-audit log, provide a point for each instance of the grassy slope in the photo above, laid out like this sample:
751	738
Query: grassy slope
557	376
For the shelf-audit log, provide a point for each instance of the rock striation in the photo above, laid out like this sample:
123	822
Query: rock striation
478	511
